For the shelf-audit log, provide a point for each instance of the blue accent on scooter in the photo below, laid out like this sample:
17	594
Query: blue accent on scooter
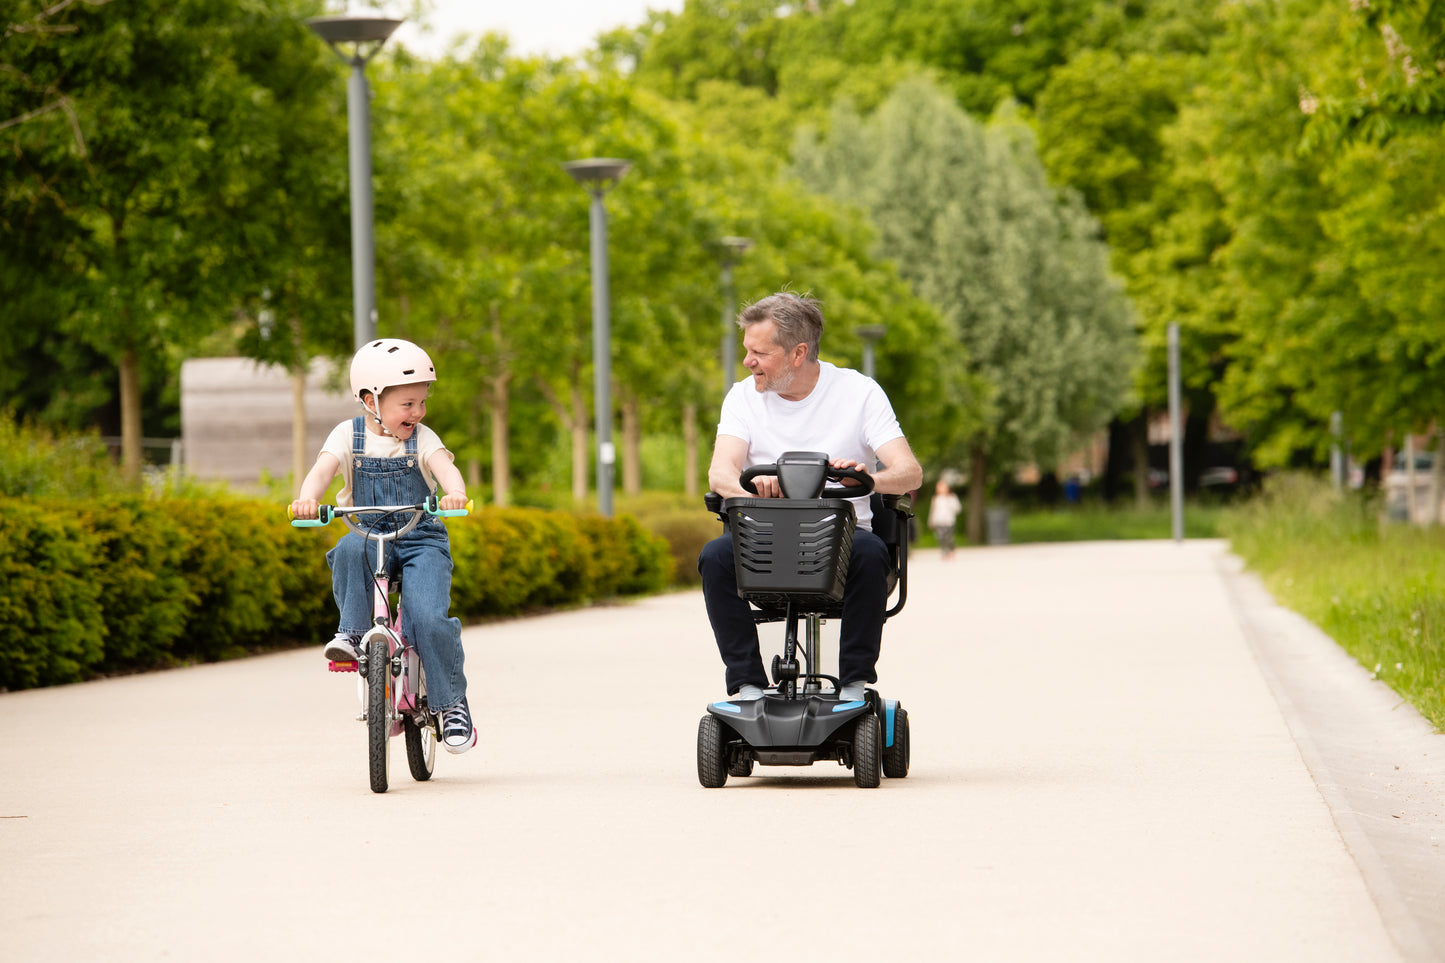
890	707
727	707
845	706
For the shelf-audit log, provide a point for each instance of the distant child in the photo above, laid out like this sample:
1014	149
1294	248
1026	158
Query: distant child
388	457
942	515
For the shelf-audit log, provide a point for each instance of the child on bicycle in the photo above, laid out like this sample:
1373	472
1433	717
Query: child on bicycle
388	457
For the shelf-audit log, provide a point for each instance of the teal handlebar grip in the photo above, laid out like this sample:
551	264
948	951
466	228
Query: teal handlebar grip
323	517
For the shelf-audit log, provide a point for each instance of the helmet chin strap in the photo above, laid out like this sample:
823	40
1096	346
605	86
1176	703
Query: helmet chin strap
376	416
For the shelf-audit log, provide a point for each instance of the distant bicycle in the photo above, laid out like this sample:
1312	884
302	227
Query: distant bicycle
393	683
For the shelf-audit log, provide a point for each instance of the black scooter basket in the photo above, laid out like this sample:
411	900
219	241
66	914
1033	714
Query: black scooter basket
791	550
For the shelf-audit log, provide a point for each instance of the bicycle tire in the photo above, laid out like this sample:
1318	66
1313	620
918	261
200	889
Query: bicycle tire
379	689
421	748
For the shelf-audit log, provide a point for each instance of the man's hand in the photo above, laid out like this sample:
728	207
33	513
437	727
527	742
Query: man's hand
768	486
845	465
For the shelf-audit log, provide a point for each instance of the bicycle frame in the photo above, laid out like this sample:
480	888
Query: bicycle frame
404	660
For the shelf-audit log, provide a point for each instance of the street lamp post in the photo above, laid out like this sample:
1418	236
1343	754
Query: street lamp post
597	175
362	38
733	249
870	333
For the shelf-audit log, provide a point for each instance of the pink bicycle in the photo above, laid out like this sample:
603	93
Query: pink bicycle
392	684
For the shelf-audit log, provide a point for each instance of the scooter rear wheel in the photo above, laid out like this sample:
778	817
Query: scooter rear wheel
895	757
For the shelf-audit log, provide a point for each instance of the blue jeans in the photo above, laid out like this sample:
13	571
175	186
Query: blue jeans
865	602
425	564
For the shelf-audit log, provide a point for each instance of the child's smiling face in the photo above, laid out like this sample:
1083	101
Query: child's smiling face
402	409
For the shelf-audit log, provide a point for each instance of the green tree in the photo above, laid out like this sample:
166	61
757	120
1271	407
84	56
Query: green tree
1016	270
485	249
149	188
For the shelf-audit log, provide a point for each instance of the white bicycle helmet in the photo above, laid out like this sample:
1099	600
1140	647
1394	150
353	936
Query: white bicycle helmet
387	362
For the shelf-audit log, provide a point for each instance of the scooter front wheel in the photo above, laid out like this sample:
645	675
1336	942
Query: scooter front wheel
867	752
712	767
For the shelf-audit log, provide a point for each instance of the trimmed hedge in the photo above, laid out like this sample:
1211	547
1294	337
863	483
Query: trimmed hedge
125	582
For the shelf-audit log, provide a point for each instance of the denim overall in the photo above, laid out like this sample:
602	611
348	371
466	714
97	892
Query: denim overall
424	558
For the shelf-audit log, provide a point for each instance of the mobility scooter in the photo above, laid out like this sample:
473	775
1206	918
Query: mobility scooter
791	557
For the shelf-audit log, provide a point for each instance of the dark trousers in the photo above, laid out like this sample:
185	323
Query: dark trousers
865	601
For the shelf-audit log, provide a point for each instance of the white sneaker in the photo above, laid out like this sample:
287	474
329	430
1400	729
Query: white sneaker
853	692
458	733
748	693
344	648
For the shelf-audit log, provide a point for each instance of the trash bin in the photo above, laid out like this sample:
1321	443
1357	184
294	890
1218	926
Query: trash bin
996	526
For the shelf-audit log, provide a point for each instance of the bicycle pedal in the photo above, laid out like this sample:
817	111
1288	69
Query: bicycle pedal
334	666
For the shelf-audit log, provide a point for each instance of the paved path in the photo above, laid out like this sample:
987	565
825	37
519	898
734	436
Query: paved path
1101	771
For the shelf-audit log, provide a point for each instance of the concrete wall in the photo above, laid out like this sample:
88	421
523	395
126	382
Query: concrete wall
236	418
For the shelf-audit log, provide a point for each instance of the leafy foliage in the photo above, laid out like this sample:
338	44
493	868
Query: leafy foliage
1373	589
124	582
169	190
1015	269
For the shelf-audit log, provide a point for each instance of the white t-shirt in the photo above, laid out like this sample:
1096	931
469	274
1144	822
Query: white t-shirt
846	415
338	443
943	513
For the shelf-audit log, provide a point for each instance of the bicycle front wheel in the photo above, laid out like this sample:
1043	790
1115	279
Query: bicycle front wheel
379	690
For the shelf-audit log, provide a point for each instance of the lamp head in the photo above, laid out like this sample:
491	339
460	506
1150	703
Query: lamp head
735	247
354	30
597	173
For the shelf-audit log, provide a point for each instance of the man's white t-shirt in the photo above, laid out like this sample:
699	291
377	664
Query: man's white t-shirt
338	443
846	415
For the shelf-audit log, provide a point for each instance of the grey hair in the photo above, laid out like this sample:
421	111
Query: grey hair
797	319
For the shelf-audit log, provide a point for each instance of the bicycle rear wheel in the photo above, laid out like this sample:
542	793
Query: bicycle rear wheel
379	689
421	748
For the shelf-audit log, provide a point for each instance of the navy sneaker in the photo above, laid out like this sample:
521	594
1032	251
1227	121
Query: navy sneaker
458	733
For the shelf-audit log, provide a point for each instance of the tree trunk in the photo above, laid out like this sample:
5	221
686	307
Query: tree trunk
689	449
579	446
130	420
1410	491
977	495
474	428
1115	466
299	467
574	421
300	375
1437	476
1139	443
501	408
631	446
501	442
1195	443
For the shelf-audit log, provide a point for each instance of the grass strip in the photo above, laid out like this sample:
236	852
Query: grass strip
1376	588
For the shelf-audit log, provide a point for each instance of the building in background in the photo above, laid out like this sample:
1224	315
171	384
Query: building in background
237	417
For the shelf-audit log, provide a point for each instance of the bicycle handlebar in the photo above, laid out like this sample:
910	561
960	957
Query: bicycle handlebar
325	513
